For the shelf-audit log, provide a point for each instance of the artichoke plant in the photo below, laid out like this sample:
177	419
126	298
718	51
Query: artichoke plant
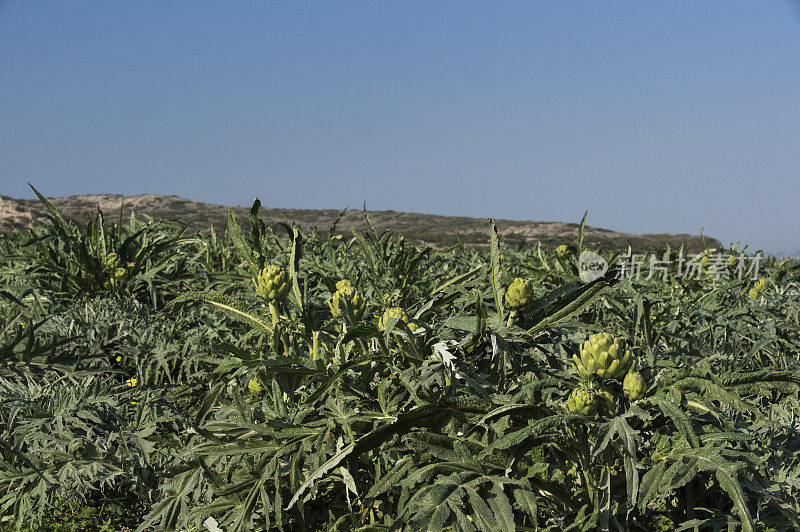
345	291
395	312
583	401
272	283
603	356
633	385
519	294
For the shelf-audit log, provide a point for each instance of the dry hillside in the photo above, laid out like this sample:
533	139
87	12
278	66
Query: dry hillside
429	228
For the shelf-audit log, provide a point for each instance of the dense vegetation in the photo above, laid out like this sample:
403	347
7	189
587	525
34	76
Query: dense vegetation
155	380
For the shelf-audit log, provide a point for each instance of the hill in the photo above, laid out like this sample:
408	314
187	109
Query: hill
430	229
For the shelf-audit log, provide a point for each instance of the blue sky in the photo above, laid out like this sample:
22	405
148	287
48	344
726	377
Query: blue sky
655	116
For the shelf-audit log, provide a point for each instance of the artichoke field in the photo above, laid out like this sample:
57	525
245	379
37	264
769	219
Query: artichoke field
271	379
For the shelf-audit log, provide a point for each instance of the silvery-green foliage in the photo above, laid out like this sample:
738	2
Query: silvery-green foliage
459	424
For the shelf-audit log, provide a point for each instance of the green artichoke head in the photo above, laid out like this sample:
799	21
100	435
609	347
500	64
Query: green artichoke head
583	401
345	291
395	312
633	385
757	288
255	387
272	283
519	294
562	251
603	356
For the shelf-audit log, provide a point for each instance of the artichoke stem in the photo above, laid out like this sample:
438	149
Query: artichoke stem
511	317
314	345
274	312
584	460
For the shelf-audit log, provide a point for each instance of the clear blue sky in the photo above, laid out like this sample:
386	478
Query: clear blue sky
655	116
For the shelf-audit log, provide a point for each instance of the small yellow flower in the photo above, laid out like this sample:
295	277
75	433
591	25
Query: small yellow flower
119	359
131	381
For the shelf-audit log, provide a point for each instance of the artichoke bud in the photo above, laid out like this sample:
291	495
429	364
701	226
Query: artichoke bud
582	401
633	385
395	312
604	356
562	251
519	294
272	283
255	387
758	286
345	291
